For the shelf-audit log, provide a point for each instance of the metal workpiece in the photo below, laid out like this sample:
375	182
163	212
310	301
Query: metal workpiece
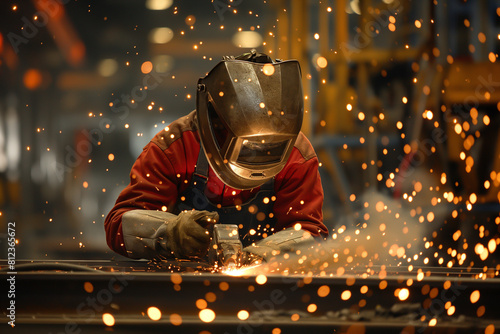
186	297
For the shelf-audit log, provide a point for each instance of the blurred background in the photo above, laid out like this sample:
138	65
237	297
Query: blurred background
402	107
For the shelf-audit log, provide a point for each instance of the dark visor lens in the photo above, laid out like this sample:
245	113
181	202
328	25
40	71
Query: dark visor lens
218	129
261	152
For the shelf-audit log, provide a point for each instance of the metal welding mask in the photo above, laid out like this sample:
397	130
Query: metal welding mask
249	115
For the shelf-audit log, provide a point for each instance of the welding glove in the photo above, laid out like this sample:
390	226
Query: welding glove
154	234
285	241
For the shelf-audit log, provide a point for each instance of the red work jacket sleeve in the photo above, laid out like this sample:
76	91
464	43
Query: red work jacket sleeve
299	195
153	186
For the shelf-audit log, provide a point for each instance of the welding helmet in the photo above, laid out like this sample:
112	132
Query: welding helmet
249	110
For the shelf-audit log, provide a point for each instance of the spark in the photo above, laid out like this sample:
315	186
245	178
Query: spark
261	279
201	304
311	308
108	319
88	287
175	319
268	69
322	62
154	313
345	295
243	315
323	291
403	294
207	315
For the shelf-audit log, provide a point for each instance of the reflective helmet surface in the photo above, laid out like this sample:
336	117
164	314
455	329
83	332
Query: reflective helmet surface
249	115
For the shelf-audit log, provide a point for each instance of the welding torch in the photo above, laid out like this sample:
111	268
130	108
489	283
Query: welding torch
226	250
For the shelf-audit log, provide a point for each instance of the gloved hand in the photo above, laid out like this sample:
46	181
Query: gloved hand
286	241
151	234
189	235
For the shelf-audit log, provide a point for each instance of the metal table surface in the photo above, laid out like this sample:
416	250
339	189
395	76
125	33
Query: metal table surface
187	297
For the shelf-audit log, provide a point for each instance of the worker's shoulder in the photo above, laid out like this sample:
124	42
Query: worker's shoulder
303	145
175	131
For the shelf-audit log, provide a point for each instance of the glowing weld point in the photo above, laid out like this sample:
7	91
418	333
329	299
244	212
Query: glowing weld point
247	270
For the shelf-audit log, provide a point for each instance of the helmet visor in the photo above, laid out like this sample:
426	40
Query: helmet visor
249	118
259	151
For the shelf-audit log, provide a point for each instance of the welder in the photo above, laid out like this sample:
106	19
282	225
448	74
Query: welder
239	158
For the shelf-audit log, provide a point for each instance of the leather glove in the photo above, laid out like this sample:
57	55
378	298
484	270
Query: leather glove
285	241
151	234
189	235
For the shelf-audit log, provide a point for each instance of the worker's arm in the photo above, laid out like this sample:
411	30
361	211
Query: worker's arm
299	193
142	224
151	187
298	206
286	241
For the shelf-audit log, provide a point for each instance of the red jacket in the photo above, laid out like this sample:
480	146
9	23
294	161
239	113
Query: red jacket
164	169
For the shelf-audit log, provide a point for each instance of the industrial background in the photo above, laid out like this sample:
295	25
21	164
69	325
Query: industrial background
402	107
402	103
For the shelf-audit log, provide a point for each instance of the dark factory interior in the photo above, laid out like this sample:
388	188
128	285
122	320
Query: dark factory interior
401	100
